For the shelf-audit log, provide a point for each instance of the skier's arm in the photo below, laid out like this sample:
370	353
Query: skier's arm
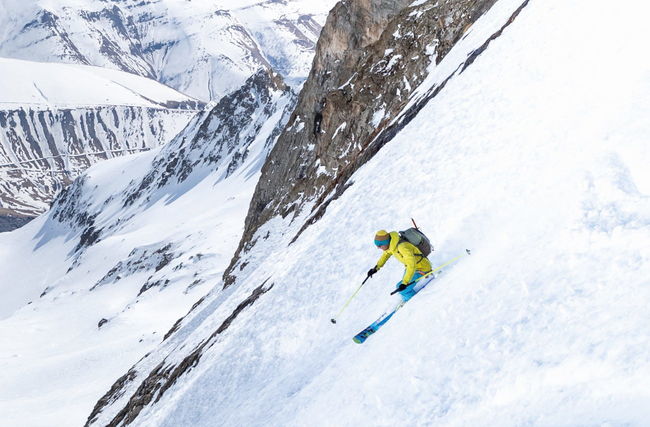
382	260
410	260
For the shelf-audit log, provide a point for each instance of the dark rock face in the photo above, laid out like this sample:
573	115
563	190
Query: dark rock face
10	223
370	57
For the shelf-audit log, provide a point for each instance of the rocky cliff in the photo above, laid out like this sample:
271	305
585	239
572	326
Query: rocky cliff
42	151
370	57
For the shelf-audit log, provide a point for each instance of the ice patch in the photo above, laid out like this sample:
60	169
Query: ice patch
340	128
378	117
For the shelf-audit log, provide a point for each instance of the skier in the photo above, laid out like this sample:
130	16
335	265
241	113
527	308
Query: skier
416	264
411	248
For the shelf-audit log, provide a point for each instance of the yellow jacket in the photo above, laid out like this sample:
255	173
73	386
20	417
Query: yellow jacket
406	253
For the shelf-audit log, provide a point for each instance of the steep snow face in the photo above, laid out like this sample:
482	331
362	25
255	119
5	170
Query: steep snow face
56	120
203	48
91	286
536	158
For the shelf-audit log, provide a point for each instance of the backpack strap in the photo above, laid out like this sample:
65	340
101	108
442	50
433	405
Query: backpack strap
402	239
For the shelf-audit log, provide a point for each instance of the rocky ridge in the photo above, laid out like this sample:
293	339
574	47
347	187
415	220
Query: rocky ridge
219	140
42	151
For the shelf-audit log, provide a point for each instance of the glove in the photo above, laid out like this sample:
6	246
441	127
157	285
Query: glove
372	271
401	287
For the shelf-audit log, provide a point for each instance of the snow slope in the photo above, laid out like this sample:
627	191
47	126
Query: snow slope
54	344
91	286
50	85
205	48
535	160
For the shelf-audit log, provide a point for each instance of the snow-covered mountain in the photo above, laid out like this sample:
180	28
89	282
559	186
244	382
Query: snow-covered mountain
124	252
56	120
205	48
497	125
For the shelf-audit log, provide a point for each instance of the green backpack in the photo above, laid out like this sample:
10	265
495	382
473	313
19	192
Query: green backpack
417	239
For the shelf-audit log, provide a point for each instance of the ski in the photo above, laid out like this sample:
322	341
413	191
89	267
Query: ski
374	326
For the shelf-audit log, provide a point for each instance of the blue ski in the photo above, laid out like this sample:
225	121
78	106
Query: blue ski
374	327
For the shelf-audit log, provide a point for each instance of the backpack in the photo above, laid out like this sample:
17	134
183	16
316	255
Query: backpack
417	239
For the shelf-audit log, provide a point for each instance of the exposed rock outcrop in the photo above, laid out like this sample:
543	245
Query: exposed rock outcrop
370	57
43	151
222	137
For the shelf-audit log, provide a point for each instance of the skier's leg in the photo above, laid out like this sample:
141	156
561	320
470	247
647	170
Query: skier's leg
423	282
395	300
410	290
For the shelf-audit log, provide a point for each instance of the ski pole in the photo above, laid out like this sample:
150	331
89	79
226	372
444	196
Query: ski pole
468	252
333	320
